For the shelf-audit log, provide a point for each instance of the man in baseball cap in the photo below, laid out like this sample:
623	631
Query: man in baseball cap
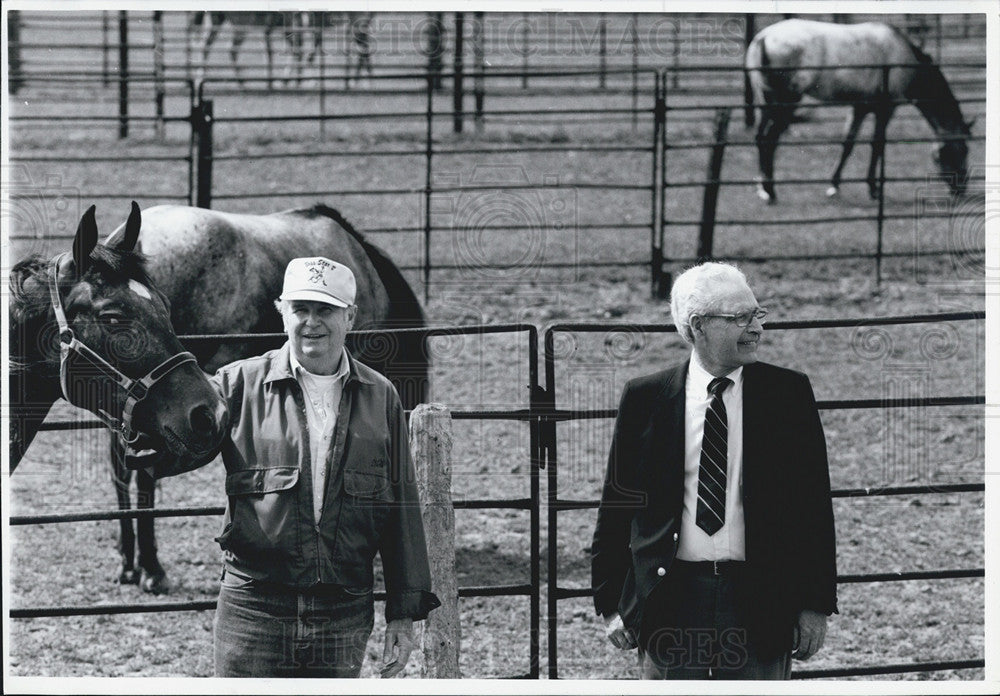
319	479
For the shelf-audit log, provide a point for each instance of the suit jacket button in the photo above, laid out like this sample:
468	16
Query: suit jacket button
661	571
675	536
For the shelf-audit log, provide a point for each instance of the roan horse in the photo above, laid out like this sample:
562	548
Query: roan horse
844	64
90	327
222	273
292	25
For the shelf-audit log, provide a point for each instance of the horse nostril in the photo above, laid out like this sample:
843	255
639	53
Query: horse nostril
202	421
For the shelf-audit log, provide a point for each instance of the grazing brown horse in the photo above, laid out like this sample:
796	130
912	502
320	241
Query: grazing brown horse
844	64
222	273
91	327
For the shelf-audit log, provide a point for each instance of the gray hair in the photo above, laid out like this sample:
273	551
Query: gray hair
695	292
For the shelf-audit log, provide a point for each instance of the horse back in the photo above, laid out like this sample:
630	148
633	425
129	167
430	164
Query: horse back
831	62
223	271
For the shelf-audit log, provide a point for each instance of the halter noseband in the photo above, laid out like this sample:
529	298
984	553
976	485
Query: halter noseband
135	389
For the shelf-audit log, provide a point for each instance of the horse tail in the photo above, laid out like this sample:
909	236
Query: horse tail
410	374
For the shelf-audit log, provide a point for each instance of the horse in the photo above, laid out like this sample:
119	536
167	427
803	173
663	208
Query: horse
222	273
91	327
844	63
293	25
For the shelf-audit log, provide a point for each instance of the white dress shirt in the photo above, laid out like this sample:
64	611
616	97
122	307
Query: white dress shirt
322	397
729	542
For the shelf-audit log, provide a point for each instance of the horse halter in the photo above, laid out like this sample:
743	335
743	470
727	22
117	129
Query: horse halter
70	348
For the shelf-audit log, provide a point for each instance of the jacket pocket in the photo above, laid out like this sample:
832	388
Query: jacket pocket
371	484
263	512
248	482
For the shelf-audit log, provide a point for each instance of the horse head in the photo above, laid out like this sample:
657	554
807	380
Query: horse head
952	161
118	354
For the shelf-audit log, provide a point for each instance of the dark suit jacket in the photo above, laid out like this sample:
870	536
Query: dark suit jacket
790	548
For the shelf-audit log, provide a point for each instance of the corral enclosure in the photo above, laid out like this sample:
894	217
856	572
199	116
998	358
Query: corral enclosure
547	207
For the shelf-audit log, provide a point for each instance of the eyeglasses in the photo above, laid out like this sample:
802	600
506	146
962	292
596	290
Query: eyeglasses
744	318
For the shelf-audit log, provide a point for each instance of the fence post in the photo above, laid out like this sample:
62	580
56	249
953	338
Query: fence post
428	186
457	93
525	34
661	281
750	30
435	48
634	26
14	79
122	74
159	50
105	48
711	196
602	31
430	443
479	67
880	220
201	121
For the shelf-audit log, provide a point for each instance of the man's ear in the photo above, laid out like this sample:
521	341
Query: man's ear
352	312
695	322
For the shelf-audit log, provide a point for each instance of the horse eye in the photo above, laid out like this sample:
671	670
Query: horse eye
113	319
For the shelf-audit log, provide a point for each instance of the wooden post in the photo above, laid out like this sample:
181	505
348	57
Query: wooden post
711	197
430	444
525	34
201	119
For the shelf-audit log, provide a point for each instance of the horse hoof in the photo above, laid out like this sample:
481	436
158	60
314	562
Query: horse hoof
765	196
832	191
155	583
128	577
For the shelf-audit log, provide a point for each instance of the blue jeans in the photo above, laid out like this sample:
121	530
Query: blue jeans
697	633
268	630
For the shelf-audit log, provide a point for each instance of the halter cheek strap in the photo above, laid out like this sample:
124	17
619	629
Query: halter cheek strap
135	389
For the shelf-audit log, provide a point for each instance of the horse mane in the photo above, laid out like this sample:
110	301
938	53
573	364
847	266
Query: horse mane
918	52
404	309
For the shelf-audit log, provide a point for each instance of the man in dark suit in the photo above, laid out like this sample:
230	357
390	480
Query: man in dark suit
714	550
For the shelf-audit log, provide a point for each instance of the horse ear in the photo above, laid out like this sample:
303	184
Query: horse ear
131	229
969	124
85	241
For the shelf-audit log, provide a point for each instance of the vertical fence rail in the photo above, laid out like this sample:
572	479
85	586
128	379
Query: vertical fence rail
202	121
879	138
547	406
123	76
428	184
535	403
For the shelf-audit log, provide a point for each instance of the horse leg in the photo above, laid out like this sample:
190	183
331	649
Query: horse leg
239	34
774	121
154	577
121	477
850	135
882	117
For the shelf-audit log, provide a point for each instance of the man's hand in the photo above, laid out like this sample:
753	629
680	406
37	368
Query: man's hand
616	631
398	646
809	634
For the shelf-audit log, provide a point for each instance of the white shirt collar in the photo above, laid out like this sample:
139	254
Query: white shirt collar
699	377
299	371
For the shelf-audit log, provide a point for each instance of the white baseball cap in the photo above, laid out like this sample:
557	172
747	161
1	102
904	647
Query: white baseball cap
320	280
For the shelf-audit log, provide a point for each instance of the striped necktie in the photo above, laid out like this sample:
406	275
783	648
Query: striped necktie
711	512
